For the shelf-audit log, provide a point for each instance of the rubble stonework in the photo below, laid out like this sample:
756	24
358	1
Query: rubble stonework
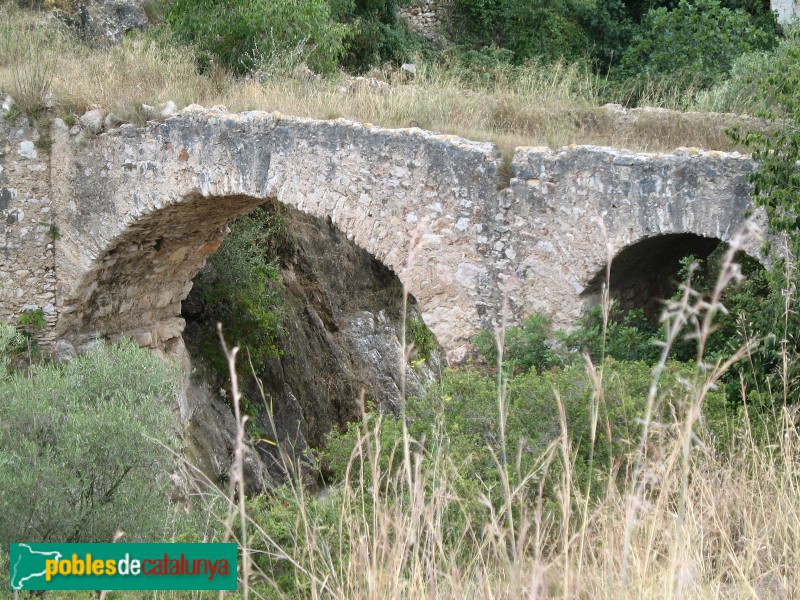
138	210
27	252
104	21
425	18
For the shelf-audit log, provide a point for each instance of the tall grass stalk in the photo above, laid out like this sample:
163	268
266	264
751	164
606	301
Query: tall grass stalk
236	475
686	521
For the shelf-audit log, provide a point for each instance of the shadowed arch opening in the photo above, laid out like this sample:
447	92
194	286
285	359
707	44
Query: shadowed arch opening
338	344
277	267
135	288
643	274
320	325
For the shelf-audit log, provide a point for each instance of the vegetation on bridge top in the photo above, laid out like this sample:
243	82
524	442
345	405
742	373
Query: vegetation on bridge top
485	84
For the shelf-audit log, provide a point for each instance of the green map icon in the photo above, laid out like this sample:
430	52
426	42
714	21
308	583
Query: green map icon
123	566
27	565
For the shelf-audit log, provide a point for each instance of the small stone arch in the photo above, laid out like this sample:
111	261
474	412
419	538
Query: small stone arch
644	273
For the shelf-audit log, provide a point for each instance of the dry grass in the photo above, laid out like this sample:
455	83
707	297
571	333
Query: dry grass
731	533
687	521
552	105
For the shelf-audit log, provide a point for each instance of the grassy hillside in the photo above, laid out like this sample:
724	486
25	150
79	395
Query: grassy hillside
50	73
624	459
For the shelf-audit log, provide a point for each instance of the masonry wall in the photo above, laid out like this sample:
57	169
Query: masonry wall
138	210
27	252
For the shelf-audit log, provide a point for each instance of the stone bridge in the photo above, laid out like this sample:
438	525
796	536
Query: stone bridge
106	232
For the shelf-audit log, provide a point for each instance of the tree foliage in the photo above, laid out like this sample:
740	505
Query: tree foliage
86	448
776	182
695	42
375	35
548	30
627	336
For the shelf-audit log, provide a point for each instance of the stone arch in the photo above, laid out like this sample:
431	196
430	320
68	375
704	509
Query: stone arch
136	286
143	207
645	272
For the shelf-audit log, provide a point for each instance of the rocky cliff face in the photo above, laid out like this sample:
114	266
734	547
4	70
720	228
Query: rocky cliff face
340	348
100	21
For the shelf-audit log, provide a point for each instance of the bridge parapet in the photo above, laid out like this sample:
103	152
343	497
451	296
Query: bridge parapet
572	209
138	210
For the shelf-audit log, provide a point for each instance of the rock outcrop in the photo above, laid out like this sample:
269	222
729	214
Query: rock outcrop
340	352
104	21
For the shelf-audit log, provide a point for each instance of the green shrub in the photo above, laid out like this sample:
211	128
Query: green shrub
246	35
524	29
287	516
545	30
32	319
740	91
776	183
776	189
86	448
238	289
12	342
609	27
460	457
533	414
340	447
527	347
694	43
629	335
455	436
460	421
754	310
422	337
